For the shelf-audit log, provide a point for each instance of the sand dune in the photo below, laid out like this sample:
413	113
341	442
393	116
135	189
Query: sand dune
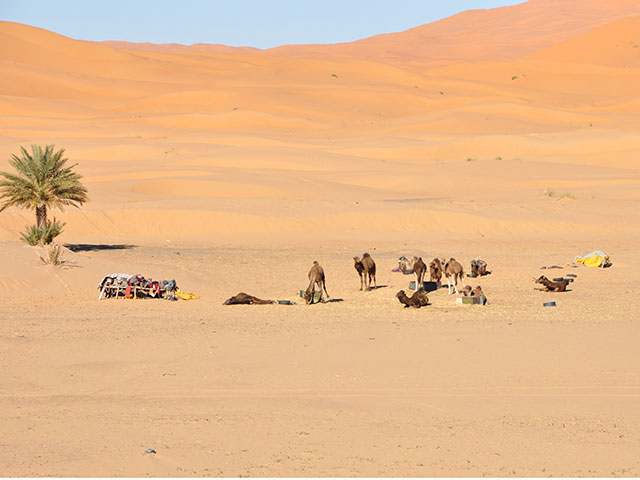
386	134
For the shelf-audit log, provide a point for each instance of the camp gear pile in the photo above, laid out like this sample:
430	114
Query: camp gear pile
123	285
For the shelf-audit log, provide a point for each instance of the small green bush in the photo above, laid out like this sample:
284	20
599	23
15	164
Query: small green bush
42	236
32	235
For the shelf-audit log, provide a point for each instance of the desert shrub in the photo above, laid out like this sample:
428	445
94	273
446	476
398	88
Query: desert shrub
34	235
53	257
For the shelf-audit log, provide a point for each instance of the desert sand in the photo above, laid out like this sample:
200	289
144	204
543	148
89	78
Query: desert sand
507	134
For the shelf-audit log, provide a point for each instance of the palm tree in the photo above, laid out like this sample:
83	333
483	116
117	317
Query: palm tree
42	182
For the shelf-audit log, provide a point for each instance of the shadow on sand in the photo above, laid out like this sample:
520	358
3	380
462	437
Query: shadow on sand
95	247
377	287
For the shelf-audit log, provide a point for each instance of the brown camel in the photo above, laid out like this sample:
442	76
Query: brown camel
560	286
474	292
453	269
366	268
369	270
316	277
245	299
478	268
417	300
419	269
477	292
435	270
357	264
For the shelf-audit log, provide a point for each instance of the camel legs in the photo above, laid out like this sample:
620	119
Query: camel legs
361	281
323	286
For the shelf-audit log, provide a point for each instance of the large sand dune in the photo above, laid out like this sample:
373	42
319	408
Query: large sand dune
509	133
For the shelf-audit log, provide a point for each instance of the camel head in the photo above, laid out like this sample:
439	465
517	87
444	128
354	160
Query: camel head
307	297
541	279
356	259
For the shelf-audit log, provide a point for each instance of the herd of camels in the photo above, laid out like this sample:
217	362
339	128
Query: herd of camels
366	268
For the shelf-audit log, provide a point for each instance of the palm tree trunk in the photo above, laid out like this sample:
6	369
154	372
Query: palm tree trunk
41	215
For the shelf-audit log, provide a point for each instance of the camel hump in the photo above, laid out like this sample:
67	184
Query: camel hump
364	255
315	262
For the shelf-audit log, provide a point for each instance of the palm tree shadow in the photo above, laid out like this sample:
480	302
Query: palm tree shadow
96	247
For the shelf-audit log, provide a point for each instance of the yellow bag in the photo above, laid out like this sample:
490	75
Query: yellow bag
186	296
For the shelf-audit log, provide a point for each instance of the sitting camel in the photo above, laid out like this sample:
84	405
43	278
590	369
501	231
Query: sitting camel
419	269
316	277
453	269
404	264
245	299
560	286
366	268
417	300
475	292
478	268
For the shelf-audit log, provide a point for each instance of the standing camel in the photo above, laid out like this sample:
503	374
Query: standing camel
435	271
366	268
316	277
369	270
453	269
419	269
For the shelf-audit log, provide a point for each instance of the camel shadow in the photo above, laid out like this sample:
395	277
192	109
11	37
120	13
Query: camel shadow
96	247
331	300
377	287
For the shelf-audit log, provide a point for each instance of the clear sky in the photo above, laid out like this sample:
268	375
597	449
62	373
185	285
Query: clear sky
255	23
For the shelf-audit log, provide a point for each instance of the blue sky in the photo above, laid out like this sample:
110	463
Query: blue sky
255	23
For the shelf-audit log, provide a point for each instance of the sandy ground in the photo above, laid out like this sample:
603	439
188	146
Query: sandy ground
507	134
358	386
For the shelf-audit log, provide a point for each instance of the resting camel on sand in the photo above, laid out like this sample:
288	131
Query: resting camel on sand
453	269
475	292
560	286
478	268
417	300
419	269
404	264
366	268
435	270
316	277
245	299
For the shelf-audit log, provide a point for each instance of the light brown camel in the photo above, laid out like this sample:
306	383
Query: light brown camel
357	264
417	300
316	277
419	269
435	270
474	292
453	269
369	270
